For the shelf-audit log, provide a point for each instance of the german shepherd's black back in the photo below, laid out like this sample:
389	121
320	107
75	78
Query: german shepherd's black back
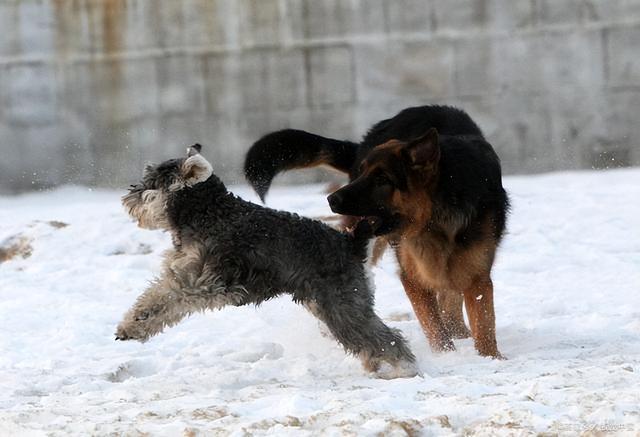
414	122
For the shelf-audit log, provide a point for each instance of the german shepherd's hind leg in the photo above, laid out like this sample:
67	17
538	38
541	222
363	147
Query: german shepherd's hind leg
478	300
425	306
450	303
382	350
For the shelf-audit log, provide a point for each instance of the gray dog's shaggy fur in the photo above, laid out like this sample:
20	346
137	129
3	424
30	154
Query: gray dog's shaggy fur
231	252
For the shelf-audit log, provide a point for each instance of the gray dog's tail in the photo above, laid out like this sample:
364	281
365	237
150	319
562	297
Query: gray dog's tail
288	149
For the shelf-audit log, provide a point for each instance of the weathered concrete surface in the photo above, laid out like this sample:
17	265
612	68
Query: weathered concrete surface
91	89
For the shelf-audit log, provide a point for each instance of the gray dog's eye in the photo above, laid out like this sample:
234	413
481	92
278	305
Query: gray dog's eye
143	316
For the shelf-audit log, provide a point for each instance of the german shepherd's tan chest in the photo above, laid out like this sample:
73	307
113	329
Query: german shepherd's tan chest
439	263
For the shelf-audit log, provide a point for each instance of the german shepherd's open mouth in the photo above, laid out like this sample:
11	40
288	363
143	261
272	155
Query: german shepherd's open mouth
381	225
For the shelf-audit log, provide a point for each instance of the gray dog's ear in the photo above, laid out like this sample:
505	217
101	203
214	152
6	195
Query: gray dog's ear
148	168
194	150
196	169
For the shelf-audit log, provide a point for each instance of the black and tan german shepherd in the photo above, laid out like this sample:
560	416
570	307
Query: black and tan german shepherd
435	185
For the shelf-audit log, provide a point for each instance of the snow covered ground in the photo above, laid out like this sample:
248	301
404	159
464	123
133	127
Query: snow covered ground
567	283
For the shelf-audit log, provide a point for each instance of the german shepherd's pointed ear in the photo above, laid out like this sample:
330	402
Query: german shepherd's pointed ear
425	150
195	168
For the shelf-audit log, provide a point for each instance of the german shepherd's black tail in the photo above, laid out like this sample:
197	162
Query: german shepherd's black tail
288	149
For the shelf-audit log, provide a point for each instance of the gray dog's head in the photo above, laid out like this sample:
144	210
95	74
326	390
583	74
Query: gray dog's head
146	201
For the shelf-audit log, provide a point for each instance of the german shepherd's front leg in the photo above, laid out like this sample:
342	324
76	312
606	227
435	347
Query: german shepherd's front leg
425	306
478	299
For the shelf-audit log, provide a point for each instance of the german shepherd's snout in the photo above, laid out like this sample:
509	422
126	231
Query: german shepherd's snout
335	202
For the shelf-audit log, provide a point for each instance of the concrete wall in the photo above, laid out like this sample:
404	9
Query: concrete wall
91	89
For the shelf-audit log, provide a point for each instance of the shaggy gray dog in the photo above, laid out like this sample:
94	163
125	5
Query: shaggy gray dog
231	252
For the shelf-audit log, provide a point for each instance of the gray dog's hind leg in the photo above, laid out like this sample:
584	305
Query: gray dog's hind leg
393	361
355	325
314	310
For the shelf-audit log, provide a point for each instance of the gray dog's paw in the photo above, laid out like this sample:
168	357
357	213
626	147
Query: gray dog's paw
402	369
126	332
121	334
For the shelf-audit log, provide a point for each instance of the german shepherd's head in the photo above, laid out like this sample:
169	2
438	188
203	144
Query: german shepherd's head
394	183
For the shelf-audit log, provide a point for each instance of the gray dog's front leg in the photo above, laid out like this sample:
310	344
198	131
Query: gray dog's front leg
157	307
164	304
